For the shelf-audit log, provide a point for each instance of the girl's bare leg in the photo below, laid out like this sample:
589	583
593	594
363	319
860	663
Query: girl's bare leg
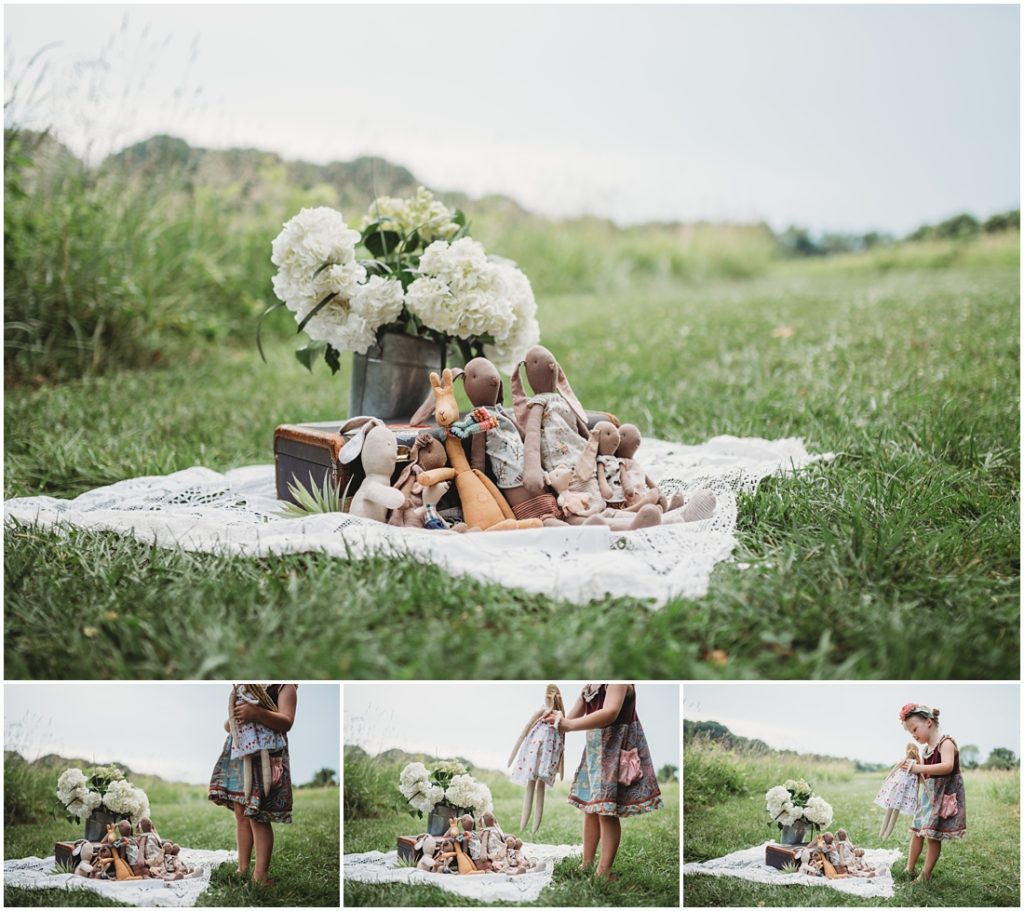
611	834
243	838
916	843
932	855
591	837
263	834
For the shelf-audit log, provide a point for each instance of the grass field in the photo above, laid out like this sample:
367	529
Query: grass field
647	862
911	536
304	864
981	869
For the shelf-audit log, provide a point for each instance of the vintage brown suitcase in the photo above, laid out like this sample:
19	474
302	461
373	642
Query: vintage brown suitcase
407	849
62	855
779	855
307	453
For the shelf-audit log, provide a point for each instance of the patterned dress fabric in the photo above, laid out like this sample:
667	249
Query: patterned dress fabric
227	783
898	792
560	441
613	475
252	738
929	821
596	788
538	756
505	451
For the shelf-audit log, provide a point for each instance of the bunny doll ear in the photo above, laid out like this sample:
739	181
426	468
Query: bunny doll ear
562	385
519	407
351	450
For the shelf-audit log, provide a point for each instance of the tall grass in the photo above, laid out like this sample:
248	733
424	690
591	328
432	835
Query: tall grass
713	773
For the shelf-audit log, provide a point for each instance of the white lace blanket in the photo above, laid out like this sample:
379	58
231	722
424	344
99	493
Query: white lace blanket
38	873
749	864
378	867
201	510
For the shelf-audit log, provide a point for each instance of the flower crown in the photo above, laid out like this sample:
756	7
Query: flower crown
912	708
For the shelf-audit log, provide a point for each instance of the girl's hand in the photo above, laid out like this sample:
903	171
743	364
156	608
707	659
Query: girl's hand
246	712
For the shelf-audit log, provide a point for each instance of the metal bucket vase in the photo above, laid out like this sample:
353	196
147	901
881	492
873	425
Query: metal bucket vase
392	379
799	833
96	824
439	820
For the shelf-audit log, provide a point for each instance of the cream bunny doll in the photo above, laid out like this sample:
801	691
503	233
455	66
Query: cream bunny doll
378	450
427	861
898	793
85	867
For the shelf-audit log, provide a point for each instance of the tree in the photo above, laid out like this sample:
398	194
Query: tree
668	773
970	756
1002	758
323	778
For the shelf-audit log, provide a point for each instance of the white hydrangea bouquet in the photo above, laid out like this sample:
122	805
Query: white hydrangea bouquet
422	275
794	803
447	784
104	786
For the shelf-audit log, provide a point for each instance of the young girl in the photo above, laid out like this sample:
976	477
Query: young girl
269	801
607	712
942	811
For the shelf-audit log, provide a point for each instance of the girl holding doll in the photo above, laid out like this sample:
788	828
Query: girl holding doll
615	778
942	810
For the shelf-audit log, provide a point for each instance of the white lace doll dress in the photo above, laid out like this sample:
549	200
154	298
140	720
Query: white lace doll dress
898	792
253	738
538	756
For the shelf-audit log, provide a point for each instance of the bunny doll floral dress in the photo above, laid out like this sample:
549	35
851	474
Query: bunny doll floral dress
596	787
898	792
942	810
539	755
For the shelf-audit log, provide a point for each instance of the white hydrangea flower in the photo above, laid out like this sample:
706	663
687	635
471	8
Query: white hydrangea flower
412	775
430	217
509	350
459	292
818	811
789	814
68	782
379	301
775	798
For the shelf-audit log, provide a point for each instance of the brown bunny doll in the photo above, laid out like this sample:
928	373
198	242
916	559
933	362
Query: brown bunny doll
554	423
426	453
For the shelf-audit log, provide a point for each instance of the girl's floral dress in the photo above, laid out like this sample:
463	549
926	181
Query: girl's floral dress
942	811
596	788
267	802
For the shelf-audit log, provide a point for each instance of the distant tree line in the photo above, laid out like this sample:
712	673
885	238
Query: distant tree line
796	242
970	755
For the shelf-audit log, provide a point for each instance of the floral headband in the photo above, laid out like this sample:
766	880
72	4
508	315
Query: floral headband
912	708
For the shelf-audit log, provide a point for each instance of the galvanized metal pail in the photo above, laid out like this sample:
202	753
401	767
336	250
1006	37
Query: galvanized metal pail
439	820
96	824
392	379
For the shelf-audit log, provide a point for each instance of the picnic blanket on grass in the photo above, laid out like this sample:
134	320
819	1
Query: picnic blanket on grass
749	864
380	867
237	512
38	873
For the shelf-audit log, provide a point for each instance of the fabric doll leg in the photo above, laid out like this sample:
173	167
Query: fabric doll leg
889	823
540	806
527	804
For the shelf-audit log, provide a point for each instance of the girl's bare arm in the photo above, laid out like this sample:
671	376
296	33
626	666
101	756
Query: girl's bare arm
280	721
948	753
614	696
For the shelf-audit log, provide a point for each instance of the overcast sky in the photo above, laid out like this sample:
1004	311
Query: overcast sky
841	117
417	718
857	720
174	730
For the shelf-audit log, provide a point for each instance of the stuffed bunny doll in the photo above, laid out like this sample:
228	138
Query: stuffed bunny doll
579	492
378	449
898	793
85	854
539	756
250	738
426	453
427	862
